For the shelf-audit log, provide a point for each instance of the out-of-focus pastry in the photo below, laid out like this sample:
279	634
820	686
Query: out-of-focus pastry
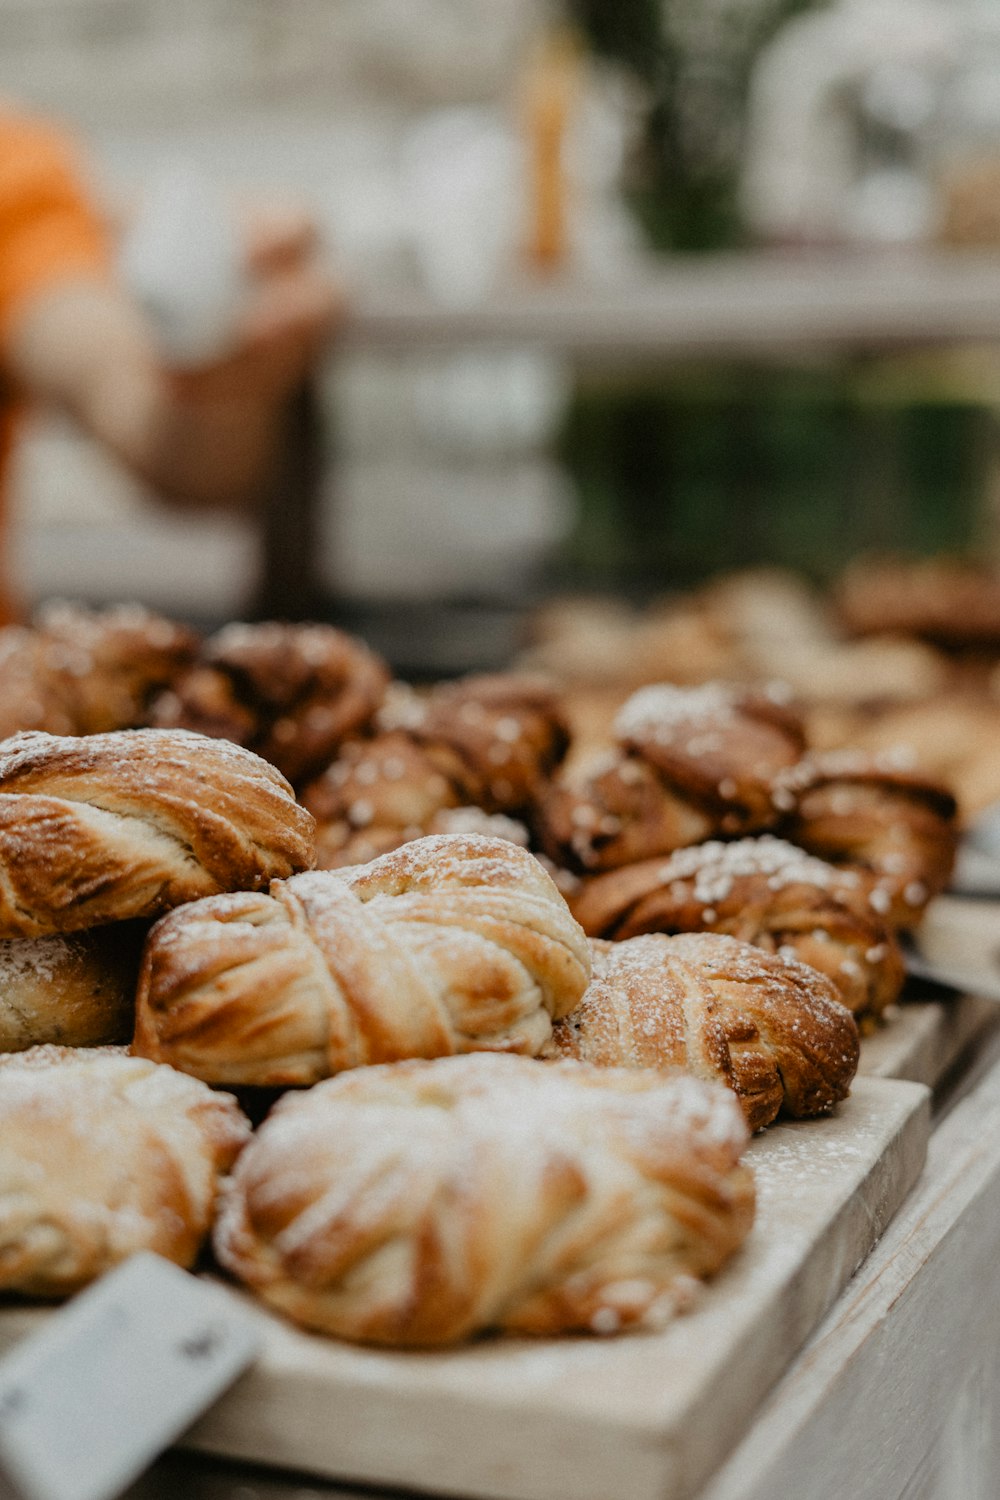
879	815
490	742
80	671
690	763
448	944
771	1029
107	827
75	989
291	693
765	607
947	600
763	891
874	672
421	1203
953	738
102	1155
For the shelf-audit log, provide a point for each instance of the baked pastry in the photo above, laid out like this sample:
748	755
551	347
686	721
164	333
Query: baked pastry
772	1029
80	671
292	693
111	826
490	742
690	763
449	944
947	600
763	891
101	1155
879	815
75	989
420	1203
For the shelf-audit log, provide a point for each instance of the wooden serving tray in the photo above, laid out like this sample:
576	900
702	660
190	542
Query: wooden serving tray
923	1039
586	1419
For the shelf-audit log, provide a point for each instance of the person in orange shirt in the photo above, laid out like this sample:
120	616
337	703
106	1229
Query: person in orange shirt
72	336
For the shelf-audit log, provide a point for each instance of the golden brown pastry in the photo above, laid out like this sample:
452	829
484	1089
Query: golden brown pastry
691	762
420	1203
490	742
80	671
947	600
772	1029
877	814
763	891
102	1155
112	826
75	989
292	693
449	944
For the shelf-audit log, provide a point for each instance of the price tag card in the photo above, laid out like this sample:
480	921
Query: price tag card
88	1402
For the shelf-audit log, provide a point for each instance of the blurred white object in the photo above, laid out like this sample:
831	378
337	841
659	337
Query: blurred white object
464	530
492	403
183	261
460	180
808	97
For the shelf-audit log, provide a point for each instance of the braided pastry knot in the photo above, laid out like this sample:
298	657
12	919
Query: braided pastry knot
877	814
689	763
489	742
102	1155
448	944
770	1028
763	891
292	693
423	1202
110	826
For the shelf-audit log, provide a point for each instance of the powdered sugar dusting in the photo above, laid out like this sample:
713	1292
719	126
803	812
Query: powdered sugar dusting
661	709
715	866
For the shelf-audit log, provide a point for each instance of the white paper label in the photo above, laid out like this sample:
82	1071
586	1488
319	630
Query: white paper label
113	1378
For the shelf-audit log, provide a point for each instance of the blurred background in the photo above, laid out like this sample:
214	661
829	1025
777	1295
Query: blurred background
468	463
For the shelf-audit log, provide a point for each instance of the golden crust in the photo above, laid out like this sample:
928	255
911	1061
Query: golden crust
763	891
490	741
108	827
80	671
421	1203
689	763
771	1029
871	812
449	944
291	693
75	989
102	1155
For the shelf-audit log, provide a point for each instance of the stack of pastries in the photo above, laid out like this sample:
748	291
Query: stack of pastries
524	1014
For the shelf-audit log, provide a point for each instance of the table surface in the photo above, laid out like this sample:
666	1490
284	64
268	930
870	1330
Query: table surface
907	1361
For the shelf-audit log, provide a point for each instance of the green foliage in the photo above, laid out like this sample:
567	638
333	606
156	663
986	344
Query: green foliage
727	468
695	59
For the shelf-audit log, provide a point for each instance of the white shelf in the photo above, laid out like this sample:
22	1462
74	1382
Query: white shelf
718	306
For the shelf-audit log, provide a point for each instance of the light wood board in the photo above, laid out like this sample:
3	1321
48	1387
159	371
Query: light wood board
923	1039
897	1394
590	1419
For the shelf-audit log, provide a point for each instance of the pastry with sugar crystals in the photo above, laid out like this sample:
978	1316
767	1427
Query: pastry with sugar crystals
291	693
771	1029
81	671
424	1202
452	943
763	891
102	1155
689	763
107	827
490	741
880	815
